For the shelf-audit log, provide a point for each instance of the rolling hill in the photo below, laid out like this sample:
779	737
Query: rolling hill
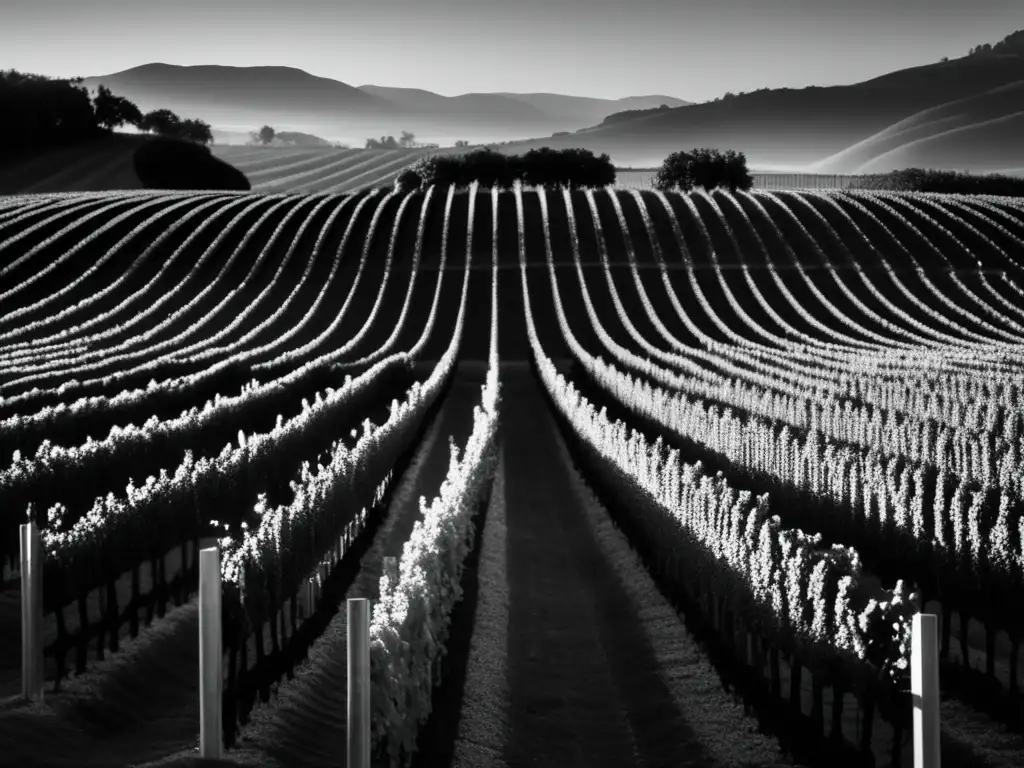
244	97
238	99
981	133
797	127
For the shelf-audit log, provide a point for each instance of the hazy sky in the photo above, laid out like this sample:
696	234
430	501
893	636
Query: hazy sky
605	48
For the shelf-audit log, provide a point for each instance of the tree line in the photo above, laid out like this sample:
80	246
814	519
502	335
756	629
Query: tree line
573	169
1011	44
406	141
44	112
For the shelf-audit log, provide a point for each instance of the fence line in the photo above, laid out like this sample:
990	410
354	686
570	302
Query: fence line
925	689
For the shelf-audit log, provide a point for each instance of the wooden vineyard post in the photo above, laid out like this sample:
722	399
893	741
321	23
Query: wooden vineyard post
31	613
924	687
358	683
211	656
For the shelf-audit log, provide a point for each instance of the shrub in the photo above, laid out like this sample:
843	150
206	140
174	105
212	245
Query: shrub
166	163
442	170
408	181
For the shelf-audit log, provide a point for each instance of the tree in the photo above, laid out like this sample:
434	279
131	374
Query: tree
407	141
461	143
114	111
196	131
735	173
408	181
707	168
160	121
384	142
674	173
267	134
543	167
489	167
441	170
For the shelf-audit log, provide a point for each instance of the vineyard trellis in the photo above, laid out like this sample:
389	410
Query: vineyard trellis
802	408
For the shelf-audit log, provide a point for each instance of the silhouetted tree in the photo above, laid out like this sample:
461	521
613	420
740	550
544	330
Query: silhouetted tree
160	121
707	168
544	167
675	173
490	168
196	131
114	111
36	111
267	134
408	181
407	140
461	143
572	168
1012	43
735	174
384	142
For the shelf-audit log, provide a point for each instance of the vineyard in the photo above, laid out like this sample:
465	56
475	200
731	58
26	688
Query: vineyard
629	477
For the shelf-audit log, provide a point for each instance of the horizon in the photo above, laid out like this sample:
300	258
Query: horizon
666	45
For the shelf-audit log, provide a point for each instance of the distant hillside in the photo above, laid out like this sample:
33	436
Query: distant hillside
633	114
789	127
239	99
982	133
580	112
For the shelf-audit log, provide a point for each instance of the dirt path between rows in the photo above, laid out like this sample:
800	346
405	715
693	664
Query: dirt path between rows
583	681
138	705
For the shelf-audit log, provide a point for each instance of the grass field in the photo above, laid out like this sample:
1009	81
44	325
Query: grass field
665	476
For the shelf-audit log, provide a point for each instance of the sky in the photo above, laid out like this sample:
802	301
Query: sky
602	48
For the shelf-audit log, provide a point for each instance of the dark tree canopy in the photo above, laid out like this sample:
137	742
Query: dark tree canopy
706	168
573	168
384	142
37	112
115	111
266	134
